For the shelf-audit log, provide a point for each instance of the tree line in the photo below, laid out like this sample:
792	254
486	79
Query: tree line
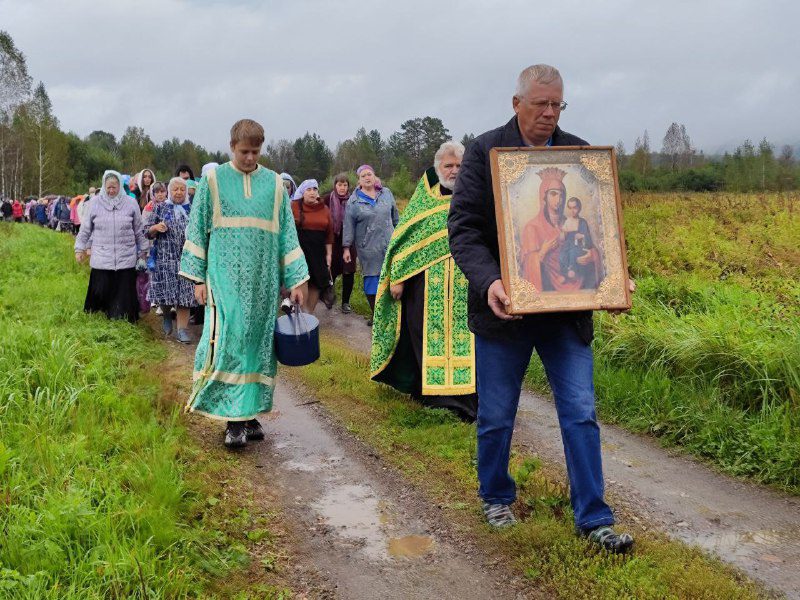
37	157
680	167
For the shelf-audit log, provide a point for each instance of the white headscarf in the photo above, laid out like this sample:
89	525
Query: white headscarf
207	167
121	195
308	183
140	179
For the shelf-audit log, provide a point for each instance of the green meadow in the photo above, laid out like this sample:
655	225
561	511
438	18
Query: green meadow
103	493
708	359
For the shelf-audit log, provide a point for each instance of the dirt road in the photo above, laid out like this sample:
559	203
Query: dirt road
754	528
356	531
367	533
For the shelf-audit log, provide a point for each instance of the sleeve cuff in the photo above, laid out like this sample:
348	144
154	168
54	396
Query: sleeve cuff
191	277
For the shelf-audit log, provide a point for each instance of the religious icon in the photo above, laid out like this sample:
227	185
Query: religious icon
559	223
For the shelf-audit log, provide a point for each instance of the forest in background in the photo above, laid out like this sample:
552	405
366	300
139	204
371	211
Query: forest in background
37	157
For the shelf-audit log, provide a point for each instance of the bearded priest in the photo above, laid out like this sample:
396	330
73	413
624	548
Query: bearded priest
421	343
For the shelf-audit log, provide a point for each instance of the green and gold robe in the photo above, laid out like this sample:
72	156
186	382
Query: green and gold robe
242	243
419	247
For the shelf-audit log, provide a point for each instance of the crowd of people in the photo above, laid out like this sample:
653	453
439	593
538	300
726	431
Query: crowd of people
243	236
60	213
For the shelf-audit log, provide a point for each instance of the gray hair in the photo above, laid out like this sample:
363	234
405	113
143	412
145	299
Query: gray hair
449	147
543	74
175	180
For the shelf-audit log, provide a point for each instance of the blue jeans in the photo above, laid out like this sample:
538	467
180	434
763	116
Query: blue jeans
568	363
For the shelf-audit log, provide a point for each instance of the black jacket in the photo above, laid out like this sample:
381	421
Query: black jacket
472	228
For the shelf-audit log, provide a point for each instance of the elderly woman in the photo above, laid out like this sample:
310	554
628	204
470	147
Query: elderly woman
370	218
112	229
336	201
166	225
315	234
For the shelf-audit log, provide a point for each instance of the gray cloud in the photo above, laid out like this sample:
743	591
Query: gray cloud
190	68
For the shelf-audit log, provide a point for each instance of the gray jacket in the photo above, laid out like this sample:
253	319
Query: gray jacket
113	230
369	228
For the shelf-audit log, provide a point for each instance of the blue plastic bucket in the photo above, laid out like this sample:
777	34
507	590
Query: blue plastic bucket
297	339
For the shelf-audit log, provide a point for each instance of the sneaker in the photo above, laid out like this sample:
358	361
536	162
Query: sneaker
235	435
166	325
608	539
159	311
254	431
346	308
499	516
183	336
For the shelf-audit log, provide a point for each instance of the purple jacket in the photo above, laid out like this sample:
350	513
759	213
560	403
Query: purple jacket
113	230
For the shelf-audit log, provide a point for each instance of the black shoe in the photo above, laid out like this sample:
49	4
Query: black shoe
254	431
235	435
608	539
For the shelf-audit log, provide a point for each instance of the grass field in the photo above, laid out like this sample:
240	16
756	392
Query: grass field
709	357
103	494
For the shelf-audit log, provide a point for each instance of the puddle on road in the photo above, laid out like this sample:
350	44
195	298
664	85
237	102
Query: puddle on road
303	467
743	544
354	511
410	546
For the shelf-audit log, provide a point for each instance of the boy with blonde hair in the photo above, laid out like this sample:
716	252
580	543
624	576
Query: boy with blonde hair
241	248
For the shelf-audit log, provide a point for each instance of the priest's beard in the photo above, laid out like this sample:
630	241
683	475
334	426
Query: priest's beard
448	183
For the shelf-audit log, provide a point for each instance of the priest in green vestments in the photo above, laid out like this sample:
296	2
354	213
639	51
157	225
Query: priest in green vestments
241	249
421	343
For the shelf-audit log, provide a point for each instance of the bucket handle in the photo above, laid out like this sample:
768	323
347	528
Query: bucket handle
297	310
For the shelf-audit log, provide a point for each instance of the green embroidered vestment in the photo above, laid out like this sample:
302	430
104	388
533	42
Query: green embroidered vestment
419	244
242	243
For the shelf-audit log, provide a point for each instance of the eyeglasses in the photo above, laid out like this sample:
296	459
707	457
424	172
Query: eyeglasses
541	105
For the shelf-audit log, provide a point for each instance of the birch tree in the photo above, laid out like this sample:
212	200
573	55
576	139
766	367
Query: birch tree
15	89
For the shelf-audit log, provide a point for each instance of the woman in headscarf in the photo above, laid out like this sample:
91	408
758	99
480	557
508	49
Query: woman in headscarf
158	194
191	188
17	211
207	167
74	216
112	230
144	182
315	234
289	184
370	219
166	224
337	203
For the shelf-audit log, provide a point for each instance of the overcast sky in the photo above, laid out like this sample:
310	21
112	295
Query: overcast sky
728	70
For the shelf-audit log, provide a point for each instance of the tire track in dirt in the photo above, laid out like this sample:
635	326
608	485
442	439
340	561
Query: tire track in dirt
754	528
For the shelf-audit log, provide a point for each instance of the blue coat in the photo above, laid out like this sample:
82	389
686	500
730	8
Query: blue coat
369	227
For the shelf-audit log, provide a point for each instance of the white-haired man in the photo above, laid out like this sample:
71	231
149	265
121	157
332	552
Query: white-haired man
504	344
421	343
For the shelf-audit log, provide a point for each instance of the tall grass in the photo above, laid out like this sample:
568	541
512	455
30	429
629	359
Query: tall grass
709	357
97	497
